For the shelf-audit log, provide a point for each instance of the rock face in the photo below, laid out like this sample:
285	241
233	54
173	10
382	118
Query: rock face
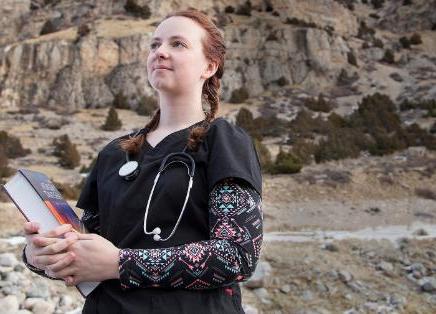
304	44
64	71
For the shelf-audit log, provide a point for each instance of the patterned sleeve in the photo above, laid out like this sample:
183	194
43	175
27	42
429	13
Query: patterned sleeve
231	254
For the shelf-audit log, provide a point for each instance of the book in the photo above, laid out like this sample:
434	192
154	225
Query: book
37	198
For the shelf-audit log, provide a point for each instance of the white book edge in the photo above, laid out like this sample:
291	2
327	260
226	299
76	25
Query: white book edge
33	208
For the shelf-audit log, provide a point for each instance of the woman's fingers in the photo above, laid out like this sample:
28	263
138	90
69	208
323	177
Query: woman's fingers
65	272
58	231
65	260
52	253
30	227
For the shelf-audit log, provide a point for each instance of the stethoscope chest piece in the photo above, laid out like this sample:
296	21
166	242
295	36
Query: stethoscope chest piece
129	170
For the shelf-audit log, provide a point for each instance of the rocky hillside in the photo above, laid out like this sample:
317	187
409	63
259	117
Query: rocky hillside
67	55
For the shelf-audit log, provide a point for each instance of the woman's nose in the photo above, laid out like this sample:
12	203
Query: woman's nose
161	52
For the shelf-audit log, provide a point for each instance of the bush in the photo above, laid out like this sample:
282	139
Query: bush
433	128
244	9
51	26
405	42
285	163
415	39
239	95
120	101
389	56
66	151
378	43
112	122
377	4
303	150
11	146
351	58
244	119
136	10
345	80
407	2
282	81
264	154
229	9
5	171
319	104
147	105
415	136
304	125
298	22
337	121
270	126
341	143
67	191
364	31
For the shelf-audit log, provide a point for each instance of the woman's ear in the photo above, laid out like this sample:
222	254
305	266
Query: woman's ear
212	67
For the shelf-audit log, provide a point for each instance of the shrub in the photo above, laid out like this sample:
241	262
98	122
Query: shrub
341	143
244	9
11	146
303	150
416	136
405	42
351	58
415	39
120	101
304	125
83	30
433	128
364	31
337	121
389	56
67	191
377	42
244	119
377	4
264	154
5	171
112	122
229	9
425	193
285	163
407	2
298	22
136	10
270	126
66	151
51	26
319	104
147	105
345	80
282	81
239	95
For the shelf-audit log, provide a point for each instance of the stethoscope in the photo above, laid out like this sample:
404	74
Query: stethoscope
130	171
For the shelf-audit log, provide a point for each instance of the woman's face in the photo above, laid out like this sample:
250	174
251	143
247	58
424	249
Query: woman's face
177	45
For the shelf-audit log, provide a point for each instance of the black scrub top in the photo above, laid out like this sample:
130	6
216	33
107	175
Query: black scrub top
226	151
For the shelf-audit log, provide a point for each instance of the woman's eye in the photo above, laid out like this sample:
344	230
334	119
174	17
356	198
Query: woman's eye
152	46
177	43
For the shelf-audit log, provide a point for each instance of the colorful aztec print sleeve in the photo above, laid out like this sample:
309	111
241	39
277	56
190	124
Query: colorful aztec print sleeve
231	254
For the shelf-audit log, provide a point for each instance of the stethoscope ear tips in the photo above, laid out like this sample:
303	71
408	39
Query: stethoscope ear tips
156	237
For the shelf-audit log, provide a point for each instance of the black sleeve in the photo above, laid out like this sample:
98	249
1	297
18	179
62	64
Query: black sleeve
88	200
232	154
36	270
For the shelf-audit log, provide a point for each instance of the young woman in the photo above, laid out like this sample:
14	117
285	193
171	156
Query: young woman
183	240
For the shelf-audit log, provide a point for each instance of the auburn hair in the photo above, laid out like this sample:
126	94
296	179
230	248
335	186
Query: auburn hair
214	50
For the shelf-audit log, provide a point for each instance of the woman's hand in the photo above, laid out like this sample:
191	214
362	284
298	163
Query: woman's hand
49	249
95	259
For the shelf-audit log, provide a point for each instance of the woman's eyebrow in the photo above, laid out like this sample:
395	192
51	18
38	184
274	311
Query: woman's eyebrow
172	37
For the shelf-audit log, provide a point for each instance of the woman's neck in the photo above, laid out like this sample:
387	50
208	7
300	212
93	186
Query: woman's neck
180	112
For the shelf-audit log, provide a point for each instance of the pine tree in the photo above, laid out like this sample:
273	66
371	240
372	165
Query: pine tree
112	122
